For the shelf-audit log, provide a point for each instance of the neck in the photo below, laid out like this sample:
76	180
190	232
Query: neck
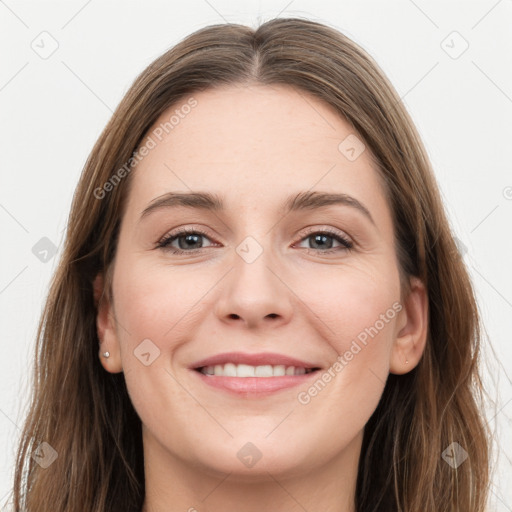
177	485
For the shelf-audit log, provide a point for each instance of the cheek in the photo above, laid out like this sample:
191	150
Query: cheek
361	313
357	315
156	309
156	302
352	302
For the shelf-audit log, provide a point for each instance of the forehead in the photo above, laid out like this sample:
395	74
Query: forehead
252	144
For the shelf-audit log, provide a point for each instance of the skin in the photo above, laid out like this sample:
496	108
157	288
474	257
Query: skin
255	146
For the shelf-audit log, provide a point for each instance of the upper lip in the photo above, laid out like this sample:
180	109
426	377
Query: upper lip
261	359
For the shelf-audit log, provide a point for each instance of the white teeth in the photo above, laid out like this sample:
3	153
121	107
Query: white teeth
279	370
245	370
229	370
263	371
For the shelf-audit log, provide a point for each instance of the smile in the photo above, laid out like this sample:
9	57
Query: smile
247	385
245	370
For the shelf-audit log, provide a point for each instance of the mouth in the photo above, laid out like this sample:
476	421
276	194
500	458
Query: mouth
248	371
248	381
256	375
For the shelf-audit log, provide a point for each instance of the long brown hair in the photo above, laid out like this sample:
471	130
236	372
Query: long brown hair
85	414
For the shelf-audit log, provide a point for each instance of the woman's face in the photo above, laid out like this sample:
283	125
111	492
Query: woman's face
295	261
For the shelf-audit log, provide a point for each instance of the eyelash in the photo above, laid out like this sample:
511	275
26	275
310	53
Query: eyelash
165	242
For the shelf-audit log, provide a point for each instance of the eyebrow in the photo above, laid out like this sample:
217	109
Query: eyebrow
301	201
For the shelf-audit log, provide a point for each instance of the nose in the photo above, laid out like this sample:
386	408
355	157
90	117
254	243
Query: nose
255	294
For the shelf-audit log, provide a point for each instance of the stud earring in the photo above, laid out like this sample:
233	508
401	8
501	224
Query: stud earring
106	354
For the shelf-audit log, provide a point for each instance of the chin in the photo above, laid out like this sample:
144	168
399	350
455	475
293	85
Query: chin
252	461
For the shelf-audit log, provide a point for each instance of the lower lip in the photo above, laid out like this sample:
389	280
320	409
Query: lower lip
254	385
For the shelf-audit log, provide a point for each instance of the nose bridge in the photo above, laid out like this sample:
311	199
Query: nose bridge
252	261
254	293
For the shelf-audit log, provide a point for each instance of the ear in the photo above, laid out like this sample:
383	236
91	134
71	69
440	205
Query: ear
412	330
106	328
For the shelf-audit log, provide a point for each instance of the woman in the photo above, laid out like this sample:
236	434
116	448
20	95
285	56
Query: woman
260	305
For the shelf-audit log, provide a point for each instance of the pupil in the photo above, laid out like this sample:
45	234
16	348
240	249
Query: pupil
186	245
322	239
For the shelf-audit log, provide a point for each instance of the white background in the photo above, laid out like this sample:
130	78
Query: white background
52	110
